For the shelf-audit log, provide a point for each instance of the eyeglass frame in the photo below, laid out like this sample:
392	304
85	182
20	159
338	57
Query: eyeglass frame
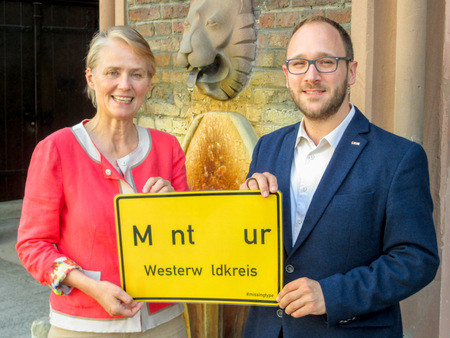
338	58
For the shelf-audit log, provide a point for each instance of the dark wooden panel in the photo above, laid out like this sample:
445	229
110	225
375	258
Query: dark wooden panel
17	96
42	50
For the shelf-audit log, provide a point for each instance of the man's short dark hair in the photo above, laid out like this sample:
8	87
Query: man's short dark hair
348	45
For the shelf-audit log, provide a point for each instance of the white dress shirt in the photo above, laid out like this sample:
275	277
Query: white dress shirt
308	166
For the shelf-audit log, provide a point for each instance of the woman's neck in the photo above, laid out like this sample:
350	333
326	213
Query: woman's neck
114	139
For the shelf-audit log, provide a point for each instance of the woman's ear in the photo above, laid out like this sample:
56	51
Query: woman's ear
89	75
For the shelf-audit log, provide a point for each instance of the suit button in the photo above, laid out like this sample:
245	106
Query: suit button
289	268
280	313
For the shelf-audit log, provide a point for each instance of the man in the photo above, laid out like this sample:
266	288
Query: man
357	212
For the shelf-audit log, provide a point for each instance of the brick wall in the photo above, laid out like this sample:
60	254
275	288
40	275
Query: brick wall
265	102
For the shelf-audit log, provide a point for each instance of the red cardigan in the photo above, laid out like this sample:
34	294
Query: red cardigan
69	203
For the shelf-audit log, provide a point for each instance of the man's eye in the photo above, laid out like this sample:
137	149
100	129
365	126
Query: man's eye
299	63
112	73
138	75
327	62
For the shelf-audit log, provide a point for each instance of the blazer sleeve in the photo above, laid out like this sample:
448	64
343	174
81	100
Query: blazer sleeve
254	164
409	258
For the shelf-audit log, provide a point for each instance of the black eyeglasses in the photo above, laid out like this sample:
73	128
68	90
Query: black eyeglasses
324	64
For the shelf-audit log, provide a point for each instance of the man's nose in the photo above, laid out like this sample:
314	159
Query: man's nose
312	74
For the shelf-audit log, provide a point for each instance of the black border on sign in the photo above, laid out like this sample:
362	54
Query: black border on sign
200	193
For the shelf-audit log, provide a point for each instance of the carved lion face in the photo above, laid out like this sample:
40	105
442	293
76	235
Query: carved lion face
218	46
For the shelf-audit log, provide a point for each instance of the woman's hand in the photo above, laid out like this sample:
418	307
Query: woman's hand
157	184
111	297
116	301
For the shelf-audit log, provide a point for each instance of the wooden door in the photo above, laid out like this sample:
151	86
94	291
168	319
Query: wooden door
42	50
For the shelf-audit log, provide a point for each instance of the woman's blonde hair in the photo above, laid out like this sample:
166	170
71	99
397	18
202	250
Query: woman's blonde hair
126	34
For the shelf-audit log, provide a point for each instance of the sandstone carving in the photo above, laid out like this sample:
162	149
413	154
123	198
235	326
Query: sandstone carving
218	150
218	46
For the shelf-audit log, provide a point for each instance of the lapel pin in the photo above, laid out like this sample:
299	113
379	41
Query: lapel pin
355	143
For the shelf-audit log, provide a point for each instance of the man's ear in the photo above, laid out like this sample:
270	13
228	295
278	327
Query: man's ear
352	65
286	75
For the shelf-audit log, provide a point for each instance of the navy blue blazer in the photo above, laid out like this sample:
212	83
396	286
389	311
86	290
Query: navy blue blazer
368	237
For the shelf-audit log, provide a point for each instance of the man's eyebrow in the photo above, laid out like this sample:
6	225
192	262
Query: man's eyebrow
318	55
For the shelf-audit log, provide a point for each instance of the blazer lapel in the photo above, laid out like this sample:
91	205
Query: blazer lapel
284	182
344	157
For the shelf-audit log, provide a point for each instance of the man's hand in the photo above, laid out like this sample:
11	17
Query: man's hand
266	182
302	297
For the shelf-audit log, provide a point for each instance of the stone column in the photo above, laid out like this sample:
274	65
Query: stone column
374	38
112	13
410	68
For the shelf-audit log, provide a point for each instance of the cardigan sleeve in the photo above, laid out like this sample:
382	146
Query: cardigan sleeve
39	226
179	181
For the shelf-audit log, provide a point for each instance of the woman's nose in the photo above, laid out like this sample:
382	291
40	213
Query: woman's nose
124	81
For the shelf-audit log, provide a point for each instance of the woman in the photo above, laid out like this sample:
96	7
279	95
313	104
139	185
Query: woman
67	236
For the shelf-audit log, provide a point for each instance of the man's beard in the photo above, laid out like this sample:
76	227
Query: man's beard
328	109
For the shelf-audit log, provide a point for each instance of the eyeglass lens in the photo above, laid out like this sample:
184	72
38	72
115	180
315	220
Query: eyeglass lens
323	65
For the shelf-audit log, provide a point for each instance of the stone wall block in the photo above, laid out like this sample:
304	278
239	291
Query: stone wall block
341	15
279	39
281	115
265	59
269	79
147	29
174	77
163	59
268	5
166	44
287	19
164	109
311	12
163	28
146	121
305	3
148	13
173	11
266	20
164	124
180	126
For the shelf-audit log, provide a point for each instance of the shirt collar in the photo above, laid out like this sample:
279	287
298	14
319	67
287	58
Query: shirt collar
133	159
334	136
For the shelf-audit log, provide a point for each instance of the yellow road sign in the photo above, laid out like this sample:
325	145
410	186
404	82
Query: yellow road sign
208	247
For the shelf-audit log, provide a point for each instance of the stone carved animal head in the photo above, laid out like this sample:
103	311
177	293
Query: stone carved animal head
218	46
